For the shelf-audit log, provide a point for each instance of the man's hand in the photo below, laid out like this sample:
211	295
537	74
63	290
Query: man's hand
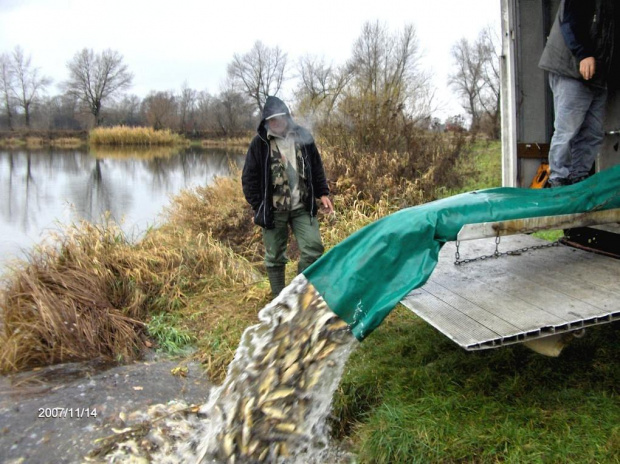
587	68
327	204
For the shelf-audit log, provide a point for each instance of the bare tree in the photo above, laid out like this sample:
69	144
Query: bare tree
320	86
490	97
205	103
389	92
129	110
125	111
28	83
259	72
93	78
233	112
467	80
64	112
387	68
187	107
6	87
476	79
160	110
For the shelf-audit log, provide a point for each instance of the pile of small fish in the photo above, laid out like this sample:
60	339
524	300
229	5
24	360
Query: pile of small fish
152	435
274	403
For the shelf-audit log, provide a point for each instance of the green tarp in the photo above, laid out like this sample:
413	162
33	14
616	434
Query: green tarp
366	275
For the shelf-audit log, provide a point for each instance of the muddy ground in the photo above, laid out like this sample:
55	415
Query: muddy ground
48	415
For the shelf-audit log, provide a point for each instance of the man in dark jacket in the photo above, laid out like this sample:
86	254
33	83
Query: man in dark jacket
578	56
282	178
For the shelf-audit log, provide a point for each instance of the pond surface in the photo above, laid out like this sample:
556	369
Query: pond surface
42	189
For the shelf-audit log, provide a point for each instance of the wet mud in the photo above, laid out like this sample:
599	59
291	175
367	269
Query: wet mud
61	413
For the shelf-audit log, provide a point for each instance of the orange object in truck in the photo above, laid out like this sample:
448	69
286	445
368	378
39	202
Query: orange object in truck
541	177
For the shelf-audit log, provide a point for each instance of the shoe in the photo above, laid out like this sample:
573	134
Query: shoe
559	182
578	179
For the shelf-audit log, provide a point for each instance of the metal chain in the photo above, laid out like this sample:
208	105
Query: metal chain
458	261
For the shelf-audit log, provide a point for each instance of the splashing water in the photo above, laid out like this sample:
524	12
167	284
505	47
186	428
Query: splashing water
274	403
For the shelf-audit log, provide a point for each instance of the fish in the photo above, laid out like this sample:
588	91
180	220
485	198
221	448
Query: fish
290	372
273	412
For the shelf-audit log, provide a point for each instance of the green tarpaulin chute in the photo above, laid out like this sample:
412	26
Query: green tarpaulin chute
367	274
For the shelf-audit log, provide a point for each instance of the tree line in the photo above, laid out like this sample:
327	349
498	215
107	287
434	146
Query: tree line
377	96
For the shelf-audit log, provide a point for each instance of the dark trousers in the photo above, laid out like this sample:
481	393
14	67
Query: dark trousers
306	231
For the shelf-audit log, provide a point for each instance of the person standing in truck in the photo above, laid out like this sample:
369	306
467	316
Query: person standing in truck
578	57
282	178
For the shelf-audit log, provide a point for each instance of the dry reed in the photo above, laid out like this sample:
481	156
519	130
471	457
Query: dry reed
12	142
237	142
59	306
35	142
221	210
87	294
134	152
67	142
141	136
405	179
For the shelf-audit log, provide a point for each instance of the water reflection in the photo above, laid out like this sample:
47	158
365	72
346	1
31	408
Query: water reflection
40	189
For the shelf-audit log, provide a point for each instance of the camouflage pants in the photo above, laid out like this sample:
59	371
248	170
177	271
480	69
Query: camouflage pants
306	231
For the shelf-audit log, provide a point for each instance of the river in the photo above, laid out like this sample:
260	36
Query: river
42	189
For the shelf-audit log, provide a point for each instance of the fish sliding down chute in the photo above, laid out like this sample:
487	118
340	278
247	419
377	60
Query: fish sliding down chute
363	278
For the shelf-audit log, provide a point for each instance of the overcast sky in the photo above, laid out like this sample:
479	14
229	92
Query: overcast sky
166	43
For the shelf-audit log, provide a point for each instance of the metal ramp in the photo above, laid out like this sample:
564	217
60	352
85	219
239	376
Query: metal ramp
516	298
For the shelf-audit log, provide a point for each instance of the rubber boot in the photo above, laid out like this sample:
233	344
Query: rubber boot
276	279
301	267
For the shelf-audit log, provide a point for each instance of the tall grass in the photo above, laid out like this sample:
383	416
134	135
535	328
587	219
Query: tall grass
65	303
221	210
89	291
229	142
480	167
133	136
402	178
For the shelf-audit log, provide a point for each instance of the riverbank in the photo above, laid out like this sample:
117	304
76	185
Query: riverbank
42	138
36	139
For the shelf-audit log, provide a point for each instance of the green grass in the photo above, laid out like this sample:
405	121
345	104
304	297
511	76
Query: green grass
549	235
163	329
481	166
411	395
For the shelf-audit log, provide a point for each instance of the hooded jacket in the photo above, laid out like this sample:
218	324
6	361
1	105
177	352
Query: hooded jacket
582	29
256	176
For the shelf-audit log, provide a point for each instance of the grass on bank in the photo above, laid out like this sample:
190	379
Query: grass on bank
40	142
229	142
481	168
133	136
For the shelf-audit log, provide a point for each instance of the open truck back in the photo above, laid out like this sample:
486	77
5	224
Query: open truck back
532	293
